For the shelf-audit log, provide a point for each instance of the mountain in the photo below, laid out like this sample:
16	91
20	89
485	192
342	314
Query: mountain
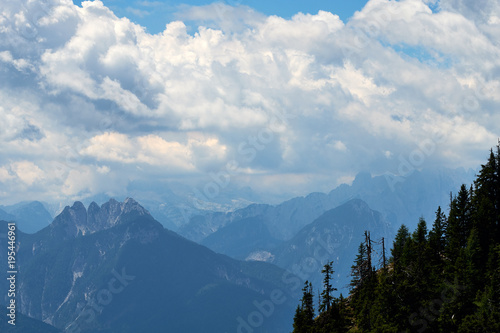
282	220
29	216
26	324
6	216
173	203
335	235
114	268
240	238
402	200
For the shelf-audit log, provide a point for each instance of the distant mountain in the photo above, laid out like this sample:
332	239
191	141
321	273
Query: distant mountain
114	268
241	238
173	204
30	216
282	221
335	235
6	216
402	200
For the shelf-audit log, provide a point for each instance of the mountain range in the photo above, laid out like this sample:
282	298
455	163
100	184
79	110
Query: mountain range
402	201
98	269
114	268
334	236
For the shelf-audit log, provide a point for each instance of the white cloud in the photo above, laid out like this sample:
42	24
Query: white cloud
27	172
153	150
89	91
5	175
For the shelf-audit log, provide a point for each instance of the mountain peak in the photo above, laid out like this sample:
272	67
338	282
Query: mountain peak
77	220
77	205
362	179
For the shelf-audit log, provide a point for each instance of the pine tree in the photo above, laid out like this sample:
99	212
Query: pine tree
327	294
459	226
486	203
436	235
303	322
363	284
397	251
359	269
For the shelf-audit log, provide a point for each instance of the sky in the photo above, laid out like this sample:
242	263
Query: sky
153	15
285	99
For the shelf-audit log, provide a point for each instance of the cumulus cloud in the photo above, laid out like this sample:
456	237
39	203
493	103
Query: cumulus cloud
92	101
154	150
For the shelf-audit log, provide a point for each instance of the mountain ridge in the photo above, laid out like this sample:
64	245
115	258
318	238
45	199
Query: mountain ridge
64	276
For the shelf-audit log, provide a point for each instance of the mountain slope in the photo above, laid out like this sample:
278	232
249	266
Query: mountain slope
115	269
282	221
335	235
25	324
242	237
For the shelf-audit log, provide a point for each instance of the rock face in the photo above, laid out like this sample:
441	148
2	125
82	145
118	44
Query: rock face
114	268
78	221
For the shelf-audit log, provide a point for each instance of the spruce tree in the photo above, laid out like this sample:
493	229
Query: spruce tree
328	289
397	251
359	269
303	322
436	235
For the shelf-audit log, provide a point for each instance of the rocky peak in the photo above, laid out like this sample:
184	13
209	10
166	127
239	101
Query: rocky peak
76	220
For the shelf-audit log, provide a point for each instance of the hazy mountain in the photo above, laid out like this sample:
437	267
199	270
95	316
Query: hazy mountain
241	238
335	235
403	200
173	203
114	268
282	221
399	199
29	216
6	216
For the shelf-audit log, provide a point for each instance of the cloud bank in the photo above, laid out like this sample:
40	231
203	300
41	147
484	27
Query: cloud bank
90	102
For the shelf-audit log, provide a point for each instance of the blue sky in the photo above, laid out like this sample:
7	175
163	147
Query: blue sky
155	14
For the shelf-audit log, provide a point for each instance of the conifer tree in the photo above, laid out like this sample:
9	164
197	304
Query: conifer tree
436	235
459	226
303	322
359	269
328	289
397	251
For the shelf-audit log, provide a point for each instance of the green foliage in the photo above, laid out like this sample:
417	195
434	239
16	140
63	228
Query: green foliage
443	280
328	289
303	320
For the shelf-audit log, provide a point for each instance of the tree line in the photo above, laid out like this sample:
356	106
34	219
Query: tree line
446	279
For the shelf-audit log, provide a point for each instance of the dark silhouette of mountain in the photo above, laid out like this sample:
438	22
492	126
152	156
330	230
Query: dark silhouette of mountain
29	216
114	268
